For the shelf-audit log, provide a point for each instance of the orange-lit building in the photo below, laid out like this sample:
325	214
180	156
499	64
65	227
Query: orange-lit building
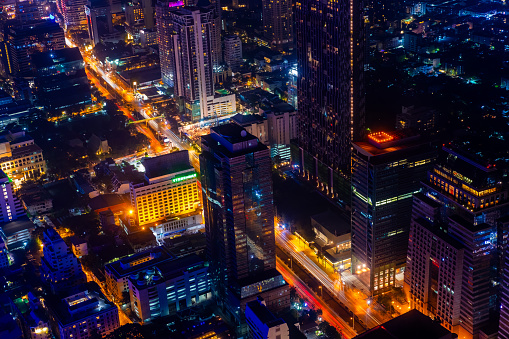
169	189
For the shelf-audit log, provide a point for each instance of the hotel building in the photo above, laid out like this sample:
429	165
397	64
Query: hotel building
169	189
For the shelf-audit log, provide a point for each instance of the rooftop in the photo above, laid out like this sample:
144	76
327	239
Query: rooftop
263	313
139	261
412	324
333	222
51	58
104	201
232	140
167	164
87	303
16	226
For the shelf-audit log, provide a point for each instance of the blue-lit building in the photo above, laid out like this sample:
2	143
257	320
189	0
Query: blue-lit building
263	324
239	221
61	81
169	287
292	86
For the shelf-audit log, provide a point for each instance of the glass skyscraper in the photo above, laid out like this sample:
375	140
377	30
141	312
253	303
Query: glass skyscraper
239	220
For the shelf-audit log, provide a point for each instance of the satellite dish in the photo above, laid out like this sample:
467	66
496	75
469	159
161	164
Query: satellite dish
243	134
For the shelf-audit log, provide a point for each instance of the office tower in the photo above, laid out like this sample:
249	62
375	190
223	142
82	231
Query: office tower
99	20
329	41
139	17
239	221
61	81
169	189
25	39
85	314
503	326
386	171
184	35
30	10
233	52
60	269
278	23
74	15
10	206
169	287
20	158
466	198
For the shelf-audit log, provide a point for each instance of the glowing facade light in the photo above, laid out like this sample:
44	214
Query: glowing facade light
380	137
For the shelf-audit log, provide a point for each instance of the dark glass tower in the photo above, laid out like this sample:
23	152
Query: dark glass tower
330	53
386	172
239	220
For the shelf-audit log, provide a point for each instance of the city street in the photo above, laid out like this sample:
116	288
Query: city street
352	299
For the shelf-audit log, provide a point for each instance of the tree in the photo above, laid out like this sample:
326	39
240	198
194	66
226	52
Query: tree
329	331
129	331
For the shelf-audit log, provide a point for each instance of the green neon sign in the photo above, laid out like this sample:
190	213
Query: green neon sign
185	177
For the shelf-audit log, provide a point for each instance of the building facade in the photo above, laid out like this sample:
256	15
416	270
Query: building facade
169	288
169	189
386	171
10	206
239	220
185	43
60	269
233	52
330	52
117	272
61	81
79	315
20	158
278	23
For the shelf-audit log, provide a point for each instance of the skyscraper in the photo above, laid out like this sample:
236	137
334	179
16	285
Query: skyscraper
184	36
330	39
278	23
239	220
233	52
10	206
465	198
386	171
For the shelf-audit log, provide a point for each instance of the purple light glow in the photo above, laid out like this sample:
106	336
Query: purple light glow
176	3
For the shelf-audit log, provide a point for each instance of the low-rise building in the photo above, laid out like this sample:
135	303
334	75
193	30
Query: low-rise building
263	324
20	157
36	200
79	315
17	233
117	272
169	287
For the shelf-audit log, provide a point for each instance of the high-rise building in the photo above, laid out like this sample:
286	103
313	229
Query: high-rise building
330	52
465	198
60	269
74	15
4	255
239	221
386	171
215	7
99	20
25	39
169	287
263	324
61	81
29	10
169	189
185	49
10	206
233	52
278	23
84	314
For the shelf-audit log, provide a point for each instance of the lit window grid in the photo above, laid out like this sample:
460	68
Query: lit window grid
174	201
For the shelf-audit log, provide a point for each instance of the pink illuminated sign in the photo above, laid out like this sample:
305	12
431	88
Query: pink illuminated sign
177	3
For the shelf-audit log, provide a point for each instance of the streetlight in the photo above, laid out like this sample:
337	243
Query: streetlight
321	291
353	322
291	263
